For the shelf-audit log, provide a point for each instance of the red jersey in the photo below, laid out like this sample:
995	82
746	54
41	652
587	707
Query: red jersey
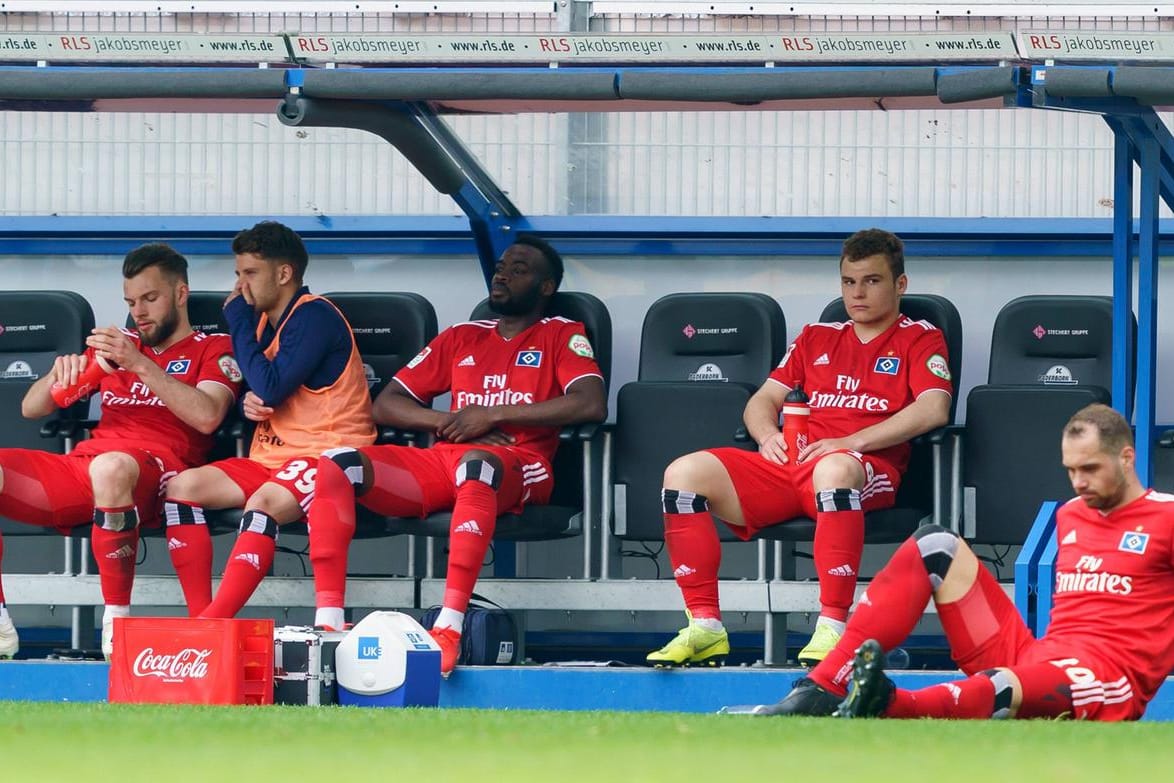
480	367
1114	592
132	416
853	385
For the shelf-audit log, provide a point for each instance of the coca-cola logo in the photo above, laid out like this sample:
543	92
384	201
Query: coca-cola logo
188	663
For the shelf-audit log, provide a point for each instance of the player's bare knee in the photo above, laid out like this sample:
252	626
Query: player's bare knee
184	486
114	471
939	546
276	502
838	471
692	472
482	466
1008	694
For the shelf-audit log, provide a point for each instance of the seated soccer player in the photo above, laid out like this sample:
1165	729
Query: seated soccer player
874	382
307	392
1110	643
160	407
514	381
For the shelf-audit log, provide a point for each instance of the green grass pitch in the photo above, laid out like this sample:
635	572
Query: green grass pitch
163	744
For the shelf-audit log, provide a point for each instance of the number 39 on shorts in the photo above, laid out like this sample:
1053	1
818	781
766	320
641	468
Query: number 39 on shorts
299	473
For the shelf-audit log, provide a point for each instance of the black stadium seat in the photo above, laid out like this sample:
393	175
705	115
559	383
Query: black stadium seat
36	327
563	517
915	499
1050	356
390	328
702	355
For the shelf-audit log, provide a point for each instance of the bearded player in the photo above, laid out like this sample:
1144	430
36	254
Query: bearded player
1110	643
160	408
515	381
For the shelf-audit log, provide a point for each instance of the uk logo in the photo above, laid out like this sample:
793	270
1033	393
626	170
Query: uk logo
1134	542
179	366
369	649
887	365
529	359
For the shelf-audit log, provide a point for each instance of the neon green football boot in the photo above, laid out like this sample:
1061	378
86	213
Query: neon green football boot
693	646
822	642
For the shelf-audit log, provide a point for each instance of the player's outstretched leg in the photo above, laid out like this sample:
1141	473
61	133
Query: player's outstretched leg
871	691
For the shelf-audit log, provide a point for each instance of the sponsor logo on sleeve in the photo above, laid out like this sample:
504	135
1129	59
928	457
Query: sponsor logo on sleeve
529	358
937	365
421	356
580	345
178	366
229	367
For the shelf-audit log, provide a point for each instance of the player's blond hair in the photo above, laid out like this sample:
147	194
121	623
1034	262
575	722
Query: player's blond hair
1112	429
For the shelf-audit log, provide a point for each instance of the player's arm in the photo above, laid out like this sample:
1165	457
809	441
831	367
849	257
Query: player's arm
308	339
583	401
201	407
929	411
37	400
761	415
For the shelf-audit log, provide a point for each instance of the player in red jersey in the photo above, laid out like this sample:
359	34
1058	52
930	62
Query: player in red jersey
874	383
1110	643
159	410
307	392
514	382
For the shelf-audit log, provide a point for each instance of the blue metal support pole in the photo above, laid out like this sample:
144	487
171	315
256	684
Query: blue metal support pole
1026	564
1045	583
1147	301
1122	269
493	218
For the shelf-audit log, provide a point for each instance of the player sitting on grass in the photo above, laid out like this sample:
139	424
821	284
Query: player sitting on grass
1110	643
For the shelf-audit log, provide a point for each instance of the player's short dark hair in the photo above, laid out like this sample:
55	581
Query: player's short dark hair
173	265
276	243
876	242
554	262
1111	427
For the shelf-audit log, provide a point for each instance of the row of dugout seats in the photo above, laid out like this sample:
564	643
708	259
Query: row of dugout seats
701	357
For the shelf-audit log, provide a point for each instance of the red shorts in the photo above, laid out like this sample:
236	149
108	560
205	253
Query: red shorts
986	631
527	479
296	475
771	493
54	490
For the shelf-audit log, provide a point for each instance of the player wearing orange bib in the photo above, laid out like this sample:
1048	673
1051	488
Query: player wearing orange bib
307	393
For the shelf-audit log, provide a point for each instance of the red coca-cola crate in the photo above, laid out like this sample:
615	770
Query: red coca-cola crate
169	660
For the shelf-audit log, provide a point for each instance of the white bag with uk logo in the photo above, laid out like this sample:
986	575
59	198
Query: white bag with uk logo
388	660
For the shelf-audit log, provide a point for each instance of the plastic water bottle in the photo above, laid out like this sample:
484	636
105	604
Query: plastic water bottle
897	658
795	417
87	382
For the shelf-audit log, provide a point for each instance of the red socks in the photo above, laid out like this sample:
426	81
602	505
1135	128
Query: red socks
839	540
973	697
888	611
190	547
694	550
332	526
474	518
251	559
115	542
